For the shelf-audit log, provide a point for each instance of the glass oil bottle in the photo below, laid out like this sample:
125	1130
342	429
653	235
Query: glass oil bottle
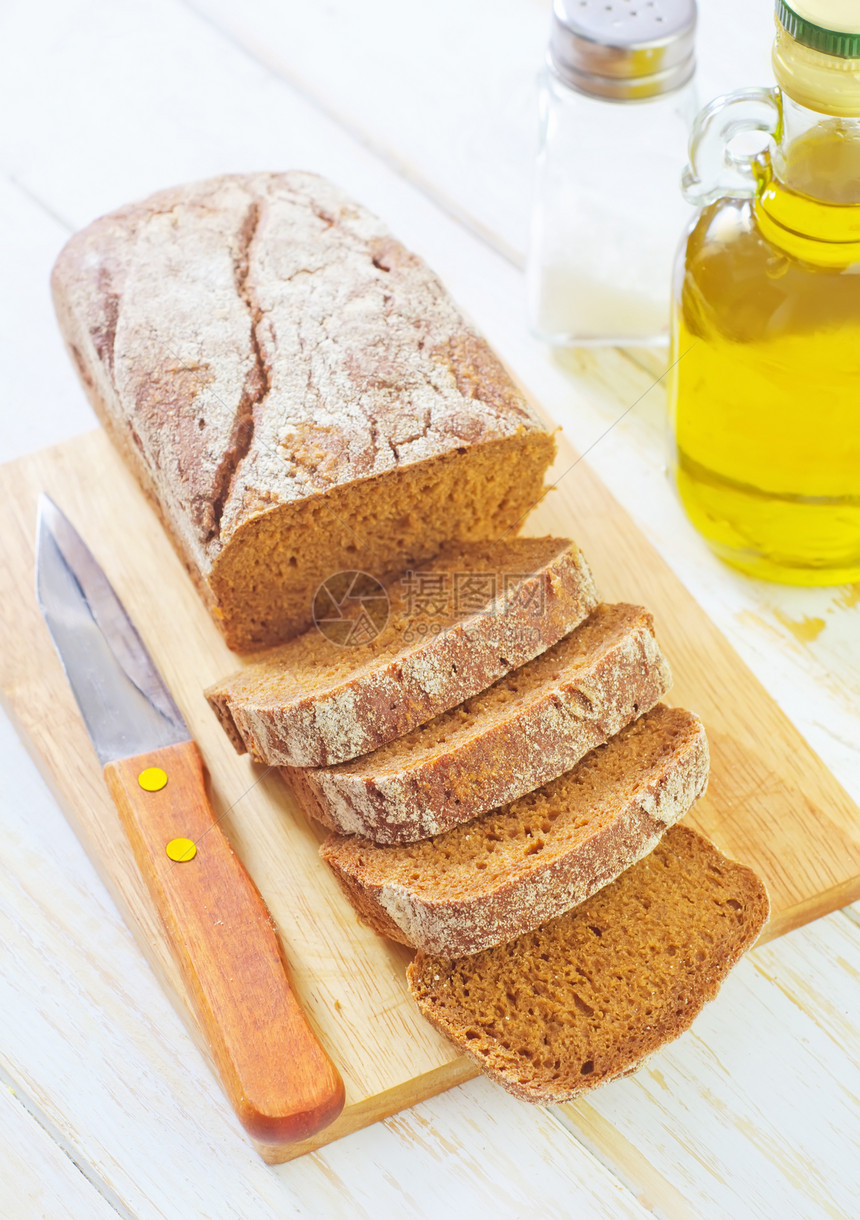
765	384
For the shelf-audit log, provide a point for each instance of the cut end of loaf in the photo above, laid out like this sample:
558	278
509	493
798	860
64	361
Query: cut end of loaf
264	583
296	392
589	995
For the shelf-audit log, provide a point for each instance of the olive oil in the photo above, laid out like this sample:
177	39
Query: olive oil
765	394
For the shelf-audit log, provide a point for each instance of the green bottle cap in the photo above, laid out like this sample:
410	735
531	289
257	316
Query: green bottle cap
843	44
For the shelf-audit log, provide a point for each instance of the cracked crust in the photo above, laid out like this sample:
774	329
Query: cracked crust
296	392
531	726
492	879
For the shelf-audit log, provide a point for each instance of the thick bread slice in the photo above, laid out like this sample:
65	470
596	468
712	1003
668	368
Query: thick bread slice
489	880
531	726
297	393
455	626
588	996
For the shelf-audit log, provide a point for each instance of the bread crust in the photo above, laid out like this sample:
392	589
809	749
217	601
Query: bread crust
654	798
391	686
256	344
504	752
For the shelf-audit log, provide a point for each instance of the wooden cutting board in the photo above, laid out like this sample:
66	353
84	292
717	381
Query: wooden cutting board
771	801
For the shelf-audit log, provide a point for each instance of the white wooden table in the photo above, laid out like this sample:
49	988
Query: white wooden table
426	113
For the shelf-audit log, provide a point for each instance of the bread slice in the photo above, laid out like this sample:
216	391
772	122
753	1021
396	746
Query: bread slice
531	726
295	391
588	996
489	880
454	626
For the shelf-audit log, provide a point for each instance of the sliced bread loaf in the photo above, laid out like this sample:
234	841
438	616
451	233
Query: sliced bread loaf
588	996
531	726
489	880
454	627
295	391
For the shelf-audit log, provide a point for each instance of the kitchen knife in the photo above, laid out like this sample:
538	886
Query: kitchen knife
277	1076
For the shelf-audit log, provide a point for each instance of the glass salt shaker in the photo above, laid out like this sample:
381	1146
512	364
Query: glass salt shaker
617	99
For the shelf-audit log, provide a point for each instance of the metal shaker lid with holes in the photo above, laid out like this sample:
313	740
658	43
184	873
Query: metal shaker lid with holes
626	50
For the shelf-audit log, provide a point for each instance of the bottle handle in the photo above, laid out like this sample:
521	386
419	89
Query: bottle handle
715	170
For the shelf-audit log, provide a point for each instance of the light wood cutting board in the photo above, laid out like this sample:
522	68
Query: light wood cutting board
771	802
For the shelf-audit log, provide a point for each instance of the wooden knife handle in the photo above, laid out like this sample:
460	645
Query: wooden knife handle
278	1078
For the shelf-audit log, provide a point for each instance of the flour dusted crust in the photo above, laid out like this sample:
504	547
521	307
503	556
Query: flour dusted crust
260	343
591	995
530	727
567	846
311	702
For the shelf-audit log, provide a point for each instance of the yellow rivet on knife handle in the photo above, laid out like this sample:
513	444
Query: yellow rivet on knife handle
181	850
152	779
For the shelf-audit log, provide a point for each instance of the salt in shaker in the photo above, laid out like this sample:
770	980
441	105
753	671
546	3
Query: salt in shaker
617	101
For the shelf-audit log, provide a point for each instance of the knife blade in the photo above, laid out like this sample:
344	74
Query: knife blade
277	1076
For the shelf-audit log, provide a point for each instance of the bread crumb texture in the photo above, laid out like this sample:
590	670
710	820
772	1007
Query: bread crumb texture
311	702
491	879
296	392
589	995
529	727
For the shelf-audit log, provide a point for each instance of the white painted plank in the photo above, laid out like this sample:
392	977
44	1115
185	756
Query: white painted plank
39	1181
469	71
40	402
152	95
803	966
89	1038
756	1111
479	1153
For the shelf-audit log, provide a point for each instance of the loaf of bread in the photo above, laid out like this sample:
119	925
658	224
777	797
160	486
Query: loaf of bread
502	874
295	391
588	996
314	702
316	422
525	730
